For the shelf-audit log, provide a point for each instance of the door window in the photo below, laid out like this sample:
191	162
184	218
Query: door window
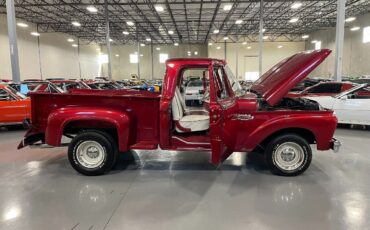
4	96
222	89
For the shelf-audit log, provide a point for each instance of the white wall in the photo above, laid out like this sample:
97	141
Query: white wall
58	57
248	55
123	69
356	54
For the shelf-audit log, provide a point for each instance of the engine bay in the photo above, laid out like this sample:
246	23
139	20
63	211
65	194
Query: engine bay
291	104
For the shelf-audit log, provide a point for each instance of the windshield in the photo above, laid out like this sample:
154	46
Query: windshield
237	89
195	83
16	92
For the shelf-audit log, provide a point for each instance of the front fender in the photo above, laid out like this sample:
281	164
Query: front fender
321	126
60	118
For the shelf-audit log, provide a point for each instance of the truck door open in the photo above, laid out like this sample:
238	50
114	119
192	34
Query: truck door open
222	108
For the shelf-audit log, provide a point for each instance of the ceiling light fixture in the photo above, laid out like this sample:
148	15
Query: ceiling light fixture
244	43
142	44
125	32
218	47
355	28
280	46
158	48
216	31
239	21
296	5
170	32
225	38
92	9
313	41
70	40
176	44
35	34
74	45
21	24
249	47
265	37
293	20
148	39
210	43
159	8
227	7
305	36
130	23
75	23
196	53
350	19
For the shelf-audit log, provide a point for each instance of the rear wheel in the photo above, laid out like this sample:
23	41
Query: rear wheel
92	153
288	155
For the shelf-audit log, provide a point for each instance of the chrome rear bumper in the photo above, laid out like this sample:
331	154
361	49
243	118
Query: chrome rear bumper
335	145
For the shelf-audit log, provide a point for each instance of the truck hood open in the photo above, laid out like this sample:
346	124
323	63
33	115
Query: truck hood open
280	79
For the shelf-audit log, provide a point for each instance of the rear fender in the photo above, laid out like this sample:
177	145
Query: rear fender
322	128
60	118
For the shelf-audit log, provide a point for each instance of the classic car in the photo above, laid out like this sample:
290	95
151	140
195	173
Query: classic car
351	106
194	92
14	106
104	123
323	89
103	85
67	85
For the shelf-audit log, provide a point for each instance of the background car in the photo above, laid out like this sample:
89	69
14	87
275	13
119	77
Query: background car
14	106
351	106
324	89
194	92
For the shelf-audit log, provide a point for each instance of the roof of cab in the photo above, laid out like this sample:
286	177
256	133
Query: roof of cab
192	61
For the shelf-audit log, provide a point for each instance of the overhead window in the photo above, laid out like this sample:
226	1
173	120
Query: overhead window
366	35
134	58
163	58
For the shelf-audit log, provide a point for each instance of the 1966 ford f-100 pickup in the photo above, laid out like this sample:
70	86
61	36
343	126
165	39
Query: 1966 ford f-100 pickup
104	123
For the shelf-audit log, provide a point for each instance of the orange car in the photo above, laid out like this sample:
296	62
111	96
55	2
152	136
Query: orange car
14	106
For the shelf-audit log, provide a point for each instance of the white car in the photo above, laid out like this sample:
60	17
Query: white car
194	92
351	106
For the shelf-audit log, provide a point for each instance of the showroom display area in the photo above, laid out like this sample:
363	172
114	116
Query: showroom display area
184	114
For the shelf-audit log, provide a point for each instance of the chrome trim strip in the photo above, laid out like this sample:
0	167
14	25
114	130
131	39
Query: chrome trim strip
191	143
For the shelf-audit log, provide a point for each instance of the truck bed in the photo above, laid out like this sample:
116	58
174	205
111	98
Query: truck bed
142	108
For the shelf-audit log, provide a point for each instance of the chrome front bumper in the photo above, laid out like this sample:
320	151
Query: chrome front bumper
335	145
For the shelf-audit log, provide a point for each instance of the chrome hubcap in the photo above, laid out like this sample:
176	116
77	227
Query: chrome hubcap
289	156
90	154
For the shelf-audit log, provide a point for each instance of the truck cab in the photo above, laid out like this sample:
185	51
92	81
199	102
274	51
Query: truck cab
104	123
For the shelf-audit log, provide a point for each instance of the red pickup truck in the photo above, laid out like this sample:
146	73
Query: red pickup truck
104	123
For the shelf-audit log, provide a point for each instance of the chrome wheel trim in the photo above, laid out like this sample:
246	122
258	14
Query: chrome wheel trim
289	156
90	154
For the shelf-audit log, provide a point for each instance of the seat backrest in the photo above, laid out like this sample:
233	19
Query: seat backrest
180	97
177	111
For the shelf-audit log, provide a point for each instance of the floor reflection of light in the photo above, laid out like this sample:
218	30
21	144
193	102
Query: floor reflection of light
11	213
355	206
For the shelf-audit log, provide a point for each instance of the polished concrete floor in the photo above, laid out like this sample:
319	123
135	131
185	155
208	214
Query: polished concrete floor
172	190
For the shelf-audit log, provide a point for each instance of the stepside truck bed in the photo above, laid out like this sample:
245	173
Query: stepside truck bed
142	108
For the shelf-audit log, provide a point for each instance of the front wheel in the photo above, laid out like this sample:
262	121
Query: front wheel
288	155
92	153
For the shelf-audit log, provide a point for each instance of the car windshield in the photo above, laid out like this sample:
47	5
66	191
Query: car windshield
196	83
18	93
238	91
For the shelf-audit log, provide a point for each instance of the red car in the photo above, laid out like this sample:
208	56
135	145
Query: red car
103	123
324	89
14	106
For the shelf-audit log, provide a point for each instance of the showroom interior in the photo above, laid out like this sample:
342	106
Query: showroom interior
184	114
